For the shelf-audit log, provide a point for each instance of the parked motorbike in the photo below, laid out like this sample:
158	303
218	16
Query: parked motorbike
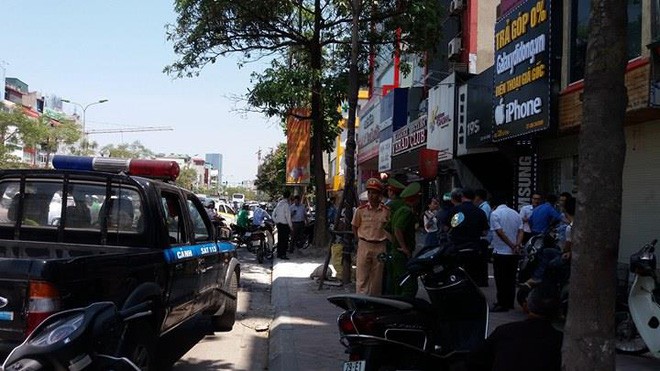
306	239
431	332
555	276
78	339
638	323
254	239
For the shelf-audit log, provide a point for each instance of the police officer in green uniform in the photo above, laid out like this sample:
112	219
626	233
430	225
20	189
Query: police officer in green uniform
403	241
394	202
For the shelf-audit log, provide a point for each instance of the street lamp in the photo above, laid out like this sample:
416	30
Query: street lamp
84	109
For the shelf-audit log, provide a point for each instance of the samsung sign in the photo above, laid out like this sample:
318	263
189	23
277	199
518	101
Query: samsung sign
521	80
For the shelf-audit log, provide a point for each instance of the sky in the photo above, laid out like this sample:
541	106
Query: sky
88	50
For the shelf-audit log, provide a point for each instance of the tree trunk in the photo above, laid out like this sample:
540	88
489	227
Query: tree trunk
320	230
348	196
589	334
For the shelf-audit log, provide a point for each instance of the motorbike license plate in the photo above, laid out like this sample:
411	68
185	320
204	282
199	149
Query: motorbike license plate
355	366
248	234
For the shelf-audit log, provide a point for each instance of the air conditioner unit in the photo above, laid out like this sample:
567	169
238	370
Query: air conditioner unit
455	6
454	47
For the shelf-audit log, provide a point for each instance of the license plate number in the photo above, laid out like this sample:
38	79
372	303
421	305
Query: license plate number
355	366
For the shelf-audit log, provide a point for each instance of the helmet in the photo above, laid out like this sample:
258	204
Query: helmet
209	204
374	184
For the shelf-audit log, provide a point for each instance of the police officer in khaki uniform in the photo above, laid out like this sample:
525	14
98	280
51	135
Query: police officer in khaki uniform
368	226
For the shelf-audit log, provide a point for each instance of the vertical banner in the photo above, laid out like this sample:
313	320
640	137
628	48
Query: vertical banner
440	133
525	176
298	132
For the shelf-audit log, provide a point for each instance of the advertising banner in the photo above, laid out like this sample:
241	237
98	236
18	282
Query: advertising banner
522	71
440	129
367	141
298	132
479	118
385	155
410	136
525	176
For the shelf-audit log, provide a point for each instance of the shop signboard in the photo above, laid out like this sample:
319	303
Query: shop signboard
368	132
410	136
521	100
525	176
479	118
440	127
385	155
385	150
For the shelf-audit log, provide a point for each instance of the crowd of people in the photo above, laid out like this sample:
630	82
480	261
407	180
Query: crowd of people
488	229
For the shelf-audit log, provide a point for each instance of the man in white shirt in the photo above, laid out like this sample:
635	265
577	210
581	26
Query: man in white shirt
526	213
507	227
282	218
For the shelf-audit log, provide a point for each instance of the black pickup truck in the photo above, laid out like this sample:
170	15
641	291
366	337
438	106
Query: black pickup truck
102	229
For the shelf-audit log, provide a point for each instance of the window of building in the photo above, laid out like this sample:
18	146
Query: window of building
580	32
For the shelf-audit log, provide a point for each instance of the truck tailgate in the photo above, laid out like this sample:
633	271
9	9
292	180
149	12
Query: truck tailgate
14	274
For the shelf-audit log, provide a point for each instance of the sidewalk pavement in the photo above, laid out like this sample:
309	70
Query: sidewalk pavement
304	334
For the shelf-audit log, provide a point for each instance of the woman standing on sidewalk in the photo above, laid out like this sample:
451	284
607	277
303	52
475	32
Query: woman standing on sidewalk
431	223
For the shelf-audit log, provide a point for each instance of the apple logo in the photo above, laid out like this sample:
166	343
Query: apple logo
499	113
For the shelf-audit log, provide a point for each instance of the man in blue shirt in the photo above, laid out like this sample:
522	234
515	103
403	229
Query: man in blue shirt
542	216
258	216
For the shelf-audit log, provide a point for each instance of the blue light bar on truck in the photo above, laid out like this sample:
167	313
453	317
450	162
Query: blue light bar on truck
147	168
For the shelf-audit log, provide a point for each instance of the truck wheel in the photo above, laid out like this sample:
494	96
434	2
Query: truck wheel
140	346
225	321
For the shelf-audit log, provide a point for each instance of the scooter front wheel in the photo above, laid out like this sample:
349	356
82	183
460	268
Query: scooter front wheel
627	339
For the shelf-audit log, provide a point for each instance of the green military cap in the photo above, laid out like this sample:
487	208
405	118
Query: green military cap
393	183
411	190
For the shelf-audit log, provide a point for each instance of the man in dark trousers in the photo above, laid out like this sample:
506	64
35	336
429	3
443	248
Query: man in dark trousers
282	217
507	228
532	344
467	224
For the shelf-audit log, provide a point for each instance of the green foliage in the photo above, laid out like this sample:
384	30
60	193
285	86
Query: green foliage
271	176
64	132
186	178
280	89
126	150
18	130
14	125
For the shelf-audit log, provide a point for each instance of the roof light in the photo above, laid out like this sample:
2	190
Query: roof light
147	168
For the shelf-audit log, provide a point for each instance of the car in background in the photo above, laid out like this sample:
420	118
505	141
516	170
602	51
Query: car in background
227	212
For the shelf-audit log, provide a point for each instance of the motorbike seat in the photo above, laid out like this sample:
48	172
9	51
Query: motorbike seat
417	303
364	302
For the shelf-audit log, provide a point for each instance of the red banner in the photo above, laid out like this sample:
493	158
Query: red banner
428	163
298	139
